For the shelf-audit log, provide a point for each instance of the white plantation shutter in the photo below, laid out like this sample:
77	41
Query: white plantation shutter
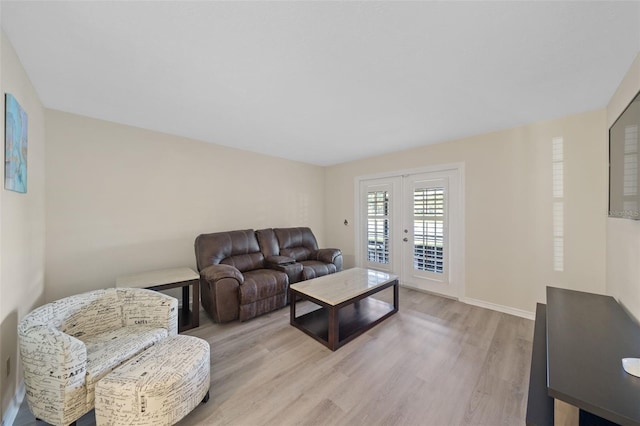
378	227
428	229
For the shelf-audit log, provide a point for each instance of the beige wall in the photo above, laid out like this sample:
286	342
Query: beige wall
508	207
122	200
623	235
22	224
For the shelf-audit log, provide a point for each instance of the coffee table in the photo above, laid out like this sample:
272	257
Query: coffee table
346	310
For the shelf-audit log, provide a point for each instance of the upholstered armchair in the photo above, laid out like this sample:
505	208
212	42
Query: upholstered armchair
68	345
301	246
235	282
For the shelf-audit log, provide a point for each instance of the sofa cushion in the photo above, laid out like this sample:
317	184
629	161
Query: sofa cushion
314	268
262	284
108	350
297	253
296	237
235	248
245	262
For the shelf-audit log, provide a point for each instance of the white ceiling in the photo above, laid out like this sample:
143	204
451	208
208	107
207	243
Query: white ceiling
324	82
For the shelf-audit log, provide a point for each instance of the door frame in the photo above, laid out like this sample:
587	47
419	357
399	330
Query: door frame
456	217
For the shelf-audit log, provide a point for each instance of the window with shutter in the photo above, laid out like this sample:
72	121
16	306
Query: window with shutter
378	226
428	229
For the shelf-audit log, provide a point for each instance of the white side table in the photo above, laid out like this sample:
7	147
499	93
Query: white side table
165	279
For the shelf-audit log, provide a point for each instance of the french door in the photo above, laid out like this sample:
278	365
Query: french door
425	248
410	225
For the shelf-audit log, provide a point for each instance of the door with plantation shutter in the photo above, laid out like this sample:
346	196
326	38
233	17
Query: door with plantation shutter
425	234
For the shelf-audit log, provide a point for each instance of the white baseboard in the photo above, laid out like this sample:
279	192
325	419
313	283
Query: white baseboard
500	308
421	290
12	411
480	303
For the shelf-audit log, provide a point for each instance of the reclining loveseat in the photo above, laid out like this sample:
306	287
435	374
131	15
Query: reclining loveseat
247	273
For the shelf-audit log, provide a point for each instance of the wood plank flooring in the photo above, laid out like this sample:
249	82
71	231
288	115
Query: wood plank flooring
436	362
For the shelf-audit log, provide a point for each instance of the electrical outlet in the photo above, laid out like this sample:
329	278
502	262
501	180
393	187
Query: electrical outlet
8	366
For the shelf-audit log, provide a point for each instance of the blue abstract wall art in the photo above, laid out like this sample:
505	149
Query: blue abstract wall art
15	146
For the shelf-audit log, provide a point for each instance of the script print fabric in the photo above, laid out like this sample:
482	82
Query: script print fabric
158	387
56	363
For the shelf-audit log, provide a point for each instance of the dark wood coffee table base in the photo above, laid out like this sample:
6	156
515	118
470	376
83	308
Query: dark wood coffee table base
336	325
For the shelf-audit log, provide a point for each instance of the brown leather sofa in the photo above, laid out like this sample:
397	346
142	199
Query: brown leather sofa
247	273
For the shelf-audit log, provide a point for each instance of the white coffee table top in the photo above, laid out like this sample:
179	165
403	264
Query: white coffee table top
155	278
342	286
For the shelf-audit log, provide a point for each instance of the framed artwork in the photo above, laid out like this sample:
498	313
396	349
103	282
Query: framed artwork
15	145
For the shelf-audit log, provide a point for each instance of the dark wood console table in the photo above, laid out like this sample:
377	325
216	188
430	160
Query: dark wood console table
171	278
586	336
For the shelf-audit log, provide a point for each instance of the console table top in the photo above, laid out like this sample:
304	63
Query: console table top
156	278
587	337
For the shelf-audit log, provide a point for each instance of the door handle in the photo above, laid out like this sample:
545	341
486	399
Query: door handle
405	239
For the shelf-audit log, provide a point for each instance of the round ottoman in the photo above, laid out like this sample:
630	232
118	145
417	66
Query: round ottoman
159	386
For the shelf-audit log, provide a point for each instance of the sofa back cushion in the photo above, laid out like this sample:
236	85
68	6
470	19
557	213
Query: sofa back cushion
268	242
298	243
235	248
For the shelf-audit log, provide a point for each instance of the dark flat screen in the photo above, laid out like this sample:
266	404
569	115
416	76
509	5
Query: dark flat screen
624	182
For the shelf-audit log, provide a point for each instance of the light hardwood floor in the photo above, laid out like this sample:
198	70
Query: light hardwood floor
436	362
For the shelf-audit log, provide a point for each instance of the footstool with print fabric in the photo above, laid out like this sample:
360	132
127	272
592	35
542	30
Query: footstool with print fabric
159	386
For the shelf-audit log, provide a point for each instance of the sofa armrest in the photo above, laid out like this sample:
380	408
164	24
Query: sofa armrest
54	365
218	272
148	307
219	292
330	255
